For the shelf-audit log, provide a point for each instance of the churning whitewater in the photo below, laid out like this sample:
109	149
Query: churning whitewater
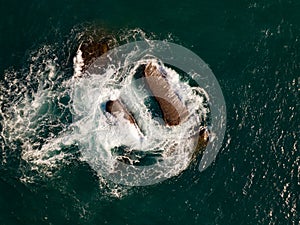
54	117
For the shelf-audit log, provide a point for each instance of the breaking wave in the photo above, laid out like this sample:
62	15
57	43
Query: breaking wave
50	117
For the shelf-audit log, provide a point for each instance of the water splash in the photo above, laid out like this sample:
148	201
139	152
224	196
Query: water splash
45	110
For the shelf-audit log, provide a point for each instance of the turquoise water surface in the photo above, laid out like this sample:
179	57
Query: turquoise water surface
253	48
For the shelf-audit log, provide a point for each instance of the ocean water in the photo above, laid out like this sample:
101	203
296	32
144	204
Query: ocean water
253	48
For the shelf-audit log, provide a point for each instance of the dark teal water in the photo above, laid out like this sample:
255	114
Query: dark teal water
253	48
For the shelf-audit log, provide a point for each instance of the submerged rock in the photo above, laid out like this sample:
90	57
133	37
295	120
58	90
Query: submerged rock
92	50
88	51
202	140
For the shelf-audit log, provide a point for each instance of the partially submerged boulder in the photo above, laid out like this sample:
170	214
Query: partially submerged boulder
173	109
202	140
116	108
92	50
88	51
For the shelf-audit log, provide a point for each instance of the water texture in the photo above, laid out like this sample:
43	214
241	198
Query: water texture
253	48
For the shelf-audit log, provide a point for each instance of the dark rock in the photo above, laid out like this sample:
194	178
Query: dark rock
203	139
92	50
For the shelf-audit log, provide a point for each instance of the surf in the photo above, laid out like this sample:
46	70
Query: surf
56	115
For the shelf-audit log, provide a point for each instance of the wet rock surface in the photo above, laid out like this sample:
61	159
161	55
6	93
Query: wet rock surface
174	111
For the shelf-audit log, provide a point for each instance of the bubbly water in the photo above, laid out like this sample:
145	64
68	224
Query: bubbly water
253	48
52	117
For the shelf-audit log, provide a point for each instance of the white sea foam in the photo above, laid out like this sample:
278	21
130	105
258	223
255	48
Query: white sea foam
100	132
78	64
35	111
